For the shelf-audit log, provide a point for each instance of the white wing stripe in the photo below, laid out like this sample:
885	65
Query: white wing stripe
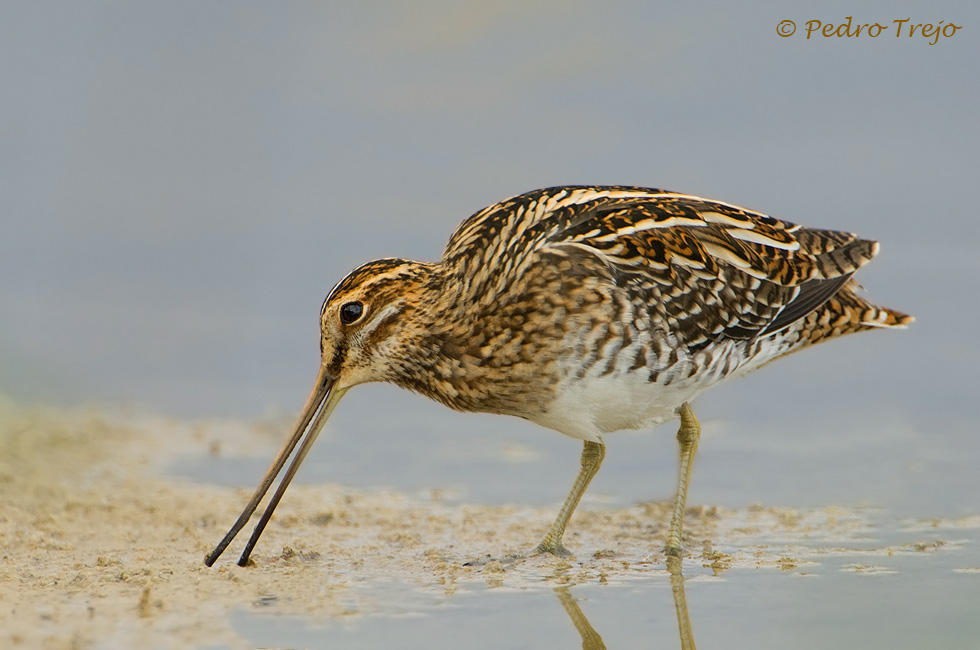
756	237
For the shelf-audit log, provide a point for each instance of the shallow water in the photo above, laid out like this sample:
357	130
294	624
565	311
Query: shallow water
900	577
104	530
918	601
413	444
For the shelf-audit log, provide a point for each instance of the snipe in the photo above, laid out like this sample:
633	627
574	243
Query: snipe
587	310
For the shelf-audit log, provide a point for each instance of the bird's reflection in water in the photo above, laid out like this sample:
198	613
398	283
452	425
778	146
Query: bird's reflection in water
680	602
591	640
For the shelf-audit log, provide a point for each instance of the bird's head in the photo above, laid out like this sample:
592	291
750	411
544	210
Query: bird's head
373	327
373	321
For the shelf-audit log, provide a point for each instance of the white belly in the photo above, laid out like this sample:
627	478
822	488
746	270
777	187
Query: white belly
596	404
591	406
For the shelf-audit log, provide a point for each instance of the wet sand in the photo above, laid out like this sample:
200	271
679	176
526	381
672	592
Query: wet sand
99	548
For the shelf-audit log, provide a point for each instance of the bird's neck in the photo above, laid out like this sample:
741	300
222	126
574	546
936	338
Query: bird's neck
433	336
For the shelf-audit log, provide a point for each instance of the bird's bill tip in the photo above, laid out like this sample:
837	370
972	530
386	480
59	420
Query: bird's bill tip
320	404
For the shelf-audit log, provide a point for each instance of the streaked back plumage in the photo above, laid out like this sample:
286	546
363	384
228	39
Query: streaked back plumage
744	273
598	287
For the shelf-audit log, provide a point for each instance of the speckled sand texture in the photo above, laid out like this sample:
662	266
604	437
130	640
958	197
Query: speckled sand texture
98	548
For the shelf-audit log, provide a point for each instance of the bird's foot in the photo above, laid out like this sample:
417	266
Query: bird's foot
673	551
504	561
557	549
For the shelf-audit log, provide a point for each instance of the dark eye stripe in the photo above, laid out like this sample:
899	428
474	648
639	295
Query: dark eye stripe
350	312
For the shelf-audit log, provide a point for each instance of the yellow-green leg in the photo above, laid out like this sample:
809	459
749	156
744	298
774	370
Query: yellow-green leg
592	456
687	436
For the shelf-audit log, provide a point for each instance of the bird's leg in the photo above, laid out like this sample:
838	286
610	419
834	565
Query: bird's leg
687	436
592	456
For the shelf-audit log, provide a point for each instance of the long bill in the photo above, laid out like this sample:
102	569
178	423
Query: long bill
318	407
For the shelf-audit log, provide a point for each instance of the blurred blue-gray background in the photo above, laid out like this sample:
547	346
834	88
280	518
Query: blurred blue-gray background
182	182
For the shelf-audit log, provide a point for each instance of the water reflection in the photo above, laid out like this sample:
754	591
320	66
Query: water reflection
680	602
592	640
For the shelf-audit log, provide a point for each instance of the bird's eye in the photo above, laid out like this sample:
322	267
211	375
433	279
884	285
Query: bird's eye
350	312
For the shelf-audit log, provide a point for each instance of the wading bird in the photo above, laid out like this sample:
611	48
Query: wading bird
585	309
